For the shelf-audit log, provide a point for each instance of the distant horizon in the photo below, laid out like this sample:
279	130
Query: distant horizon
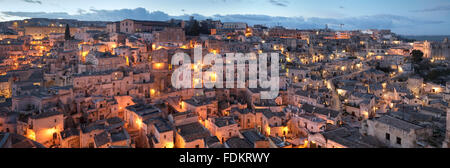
410	35
415	18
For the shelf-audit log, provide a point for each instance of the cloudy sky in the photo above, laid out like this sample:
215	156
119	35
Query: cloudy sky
409	17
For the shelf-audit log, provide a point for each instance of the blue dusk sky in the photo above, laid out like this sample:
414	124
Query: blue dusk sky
408	17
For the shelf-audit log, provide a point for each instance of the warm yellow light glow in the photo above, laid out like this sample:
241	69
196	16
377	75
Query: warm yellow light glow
152	91
127	61
340	92
358	65
437	90
83	55
139	122
366	114
305	144
213	77
214	51
196	81
268	130
285	130
158	65
51	131
169	145
31	135
182	105
195	67
288	59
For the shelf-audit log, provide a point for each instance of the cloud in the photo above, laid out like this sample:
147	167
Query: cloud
33	1
282	3
394	22
435	9
81	11
95	14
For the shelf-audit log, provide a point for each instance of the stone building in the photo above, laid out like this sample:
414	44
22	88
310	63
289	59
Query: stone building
191	136
397	133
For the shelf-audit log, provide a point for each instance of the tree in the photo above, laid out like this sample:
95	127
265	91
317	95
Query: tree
417	56
194	29
204	28
67	33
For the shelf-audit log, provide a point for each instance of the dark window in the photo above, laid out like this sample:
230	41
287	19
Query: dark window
388	136
399	140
